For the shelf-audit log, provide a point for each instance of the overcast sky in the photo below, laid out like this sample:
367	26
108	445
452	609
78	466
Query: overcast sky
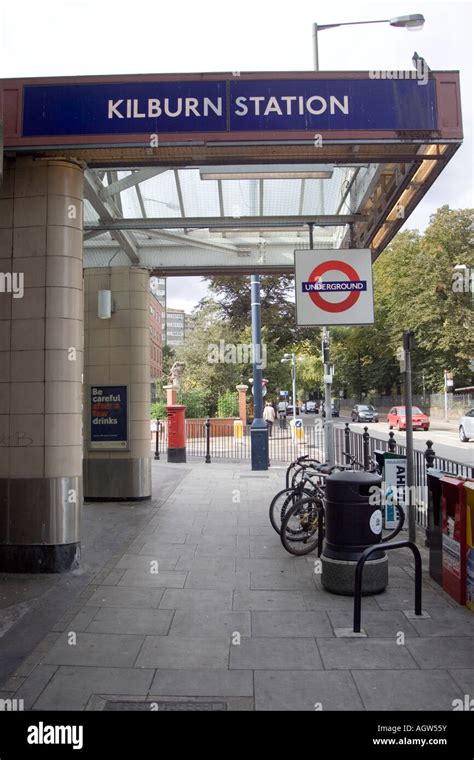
68	37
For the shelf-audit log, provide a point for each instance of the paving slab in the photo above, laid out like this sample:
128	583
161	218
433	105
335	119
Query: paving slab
404	598
307	690
221	539
376	623
139	562
161	579
113	596
196	599
71	687
364	654
199	624
209	579
131	621
80	621
449	651
446	622
406	689
202	683
281	580
290	623
323	600
101	649
275	654
464	680
220	565
266	565
166	652
268	600
36	682
221	550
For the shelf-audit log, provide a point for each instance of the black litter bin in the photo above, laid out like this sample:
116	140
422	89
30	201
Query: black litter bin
353	522
434	535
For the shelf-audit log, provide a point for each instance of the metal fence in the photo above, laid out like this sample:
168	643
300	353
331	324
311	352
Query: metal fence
362	447
216	442
224	445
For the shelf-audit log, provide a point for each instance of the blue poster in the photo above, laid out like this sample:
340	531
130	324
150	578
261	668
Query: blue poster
228	106
109	416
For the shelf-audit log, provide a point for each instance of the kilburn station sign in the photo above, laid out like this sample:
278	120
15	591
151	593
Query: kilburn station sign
227	105
394	134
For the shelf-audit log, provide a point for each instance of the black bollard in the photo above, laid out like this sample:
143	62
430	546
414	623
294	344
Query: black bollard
207	427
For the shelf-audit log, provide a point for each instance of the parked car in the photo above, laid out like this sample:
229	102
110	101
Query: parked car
397	418
364	413
289	410
334	409
466	426
310	407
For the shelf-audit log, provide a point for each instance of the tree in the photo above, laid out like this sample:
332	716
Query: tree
232	293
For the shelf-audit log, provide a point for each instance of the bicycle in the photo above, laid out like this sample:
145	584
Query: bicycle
302	523
302	528
298	464
310	483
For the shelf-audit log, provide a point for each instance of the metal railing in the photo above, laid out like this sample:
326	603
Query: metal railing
362	446
214	440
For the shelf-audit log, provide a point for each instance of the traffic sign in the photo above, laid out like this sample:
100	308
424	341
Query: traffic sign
334	287
283	393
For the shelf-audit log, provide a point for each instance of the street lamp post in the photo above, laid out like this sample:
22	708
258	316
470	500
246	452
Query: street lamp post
292	358
411	22
258	429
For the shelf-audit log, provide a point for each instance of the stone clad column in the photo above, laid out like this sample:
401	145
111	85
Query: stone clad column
40	365
117	356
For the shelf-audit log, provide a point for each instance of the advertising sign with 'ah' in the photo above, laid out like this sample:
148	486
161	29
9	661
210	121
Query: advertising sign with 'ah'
334	287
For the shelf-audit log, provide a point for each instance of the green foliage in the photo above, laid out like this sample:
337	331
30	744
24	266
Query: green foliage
413	289
228	404
158	410
197	402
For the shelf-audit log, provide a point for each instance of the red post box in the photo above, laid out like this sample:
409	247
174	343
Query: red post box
453	505
176	433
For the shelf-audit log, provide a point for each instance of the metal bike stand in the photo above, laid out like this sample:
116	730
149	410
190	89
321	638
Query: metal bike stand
360	567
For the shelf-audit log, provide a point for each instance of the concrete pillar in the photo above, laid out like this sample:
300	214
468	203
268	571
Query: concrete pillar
40	365
171	394
117	362
242	402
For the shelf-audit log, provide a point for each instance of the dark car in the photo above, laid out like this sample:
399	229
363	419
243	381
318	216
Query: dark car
364	413
334	410
310	407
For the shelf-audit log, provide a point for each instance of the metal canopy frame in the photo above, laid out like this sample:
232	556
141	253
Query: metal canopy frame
147	204
359	206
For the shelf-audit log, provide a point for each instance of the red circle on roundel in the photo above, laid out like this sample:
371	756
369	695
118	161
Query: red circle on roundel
351	273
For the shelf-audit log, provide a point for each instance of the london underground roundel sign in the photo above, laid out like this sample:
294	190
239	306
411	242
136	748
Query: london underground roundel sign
333	287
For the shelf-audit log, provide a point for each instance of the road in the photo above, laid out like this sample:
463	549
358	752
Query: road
444	435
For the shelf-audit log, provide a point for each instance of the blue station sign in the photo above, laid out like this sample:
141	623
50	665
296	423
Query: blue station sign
228	105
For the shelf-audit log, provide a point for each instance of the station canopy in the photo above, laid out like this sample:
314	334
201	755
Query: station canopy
245	168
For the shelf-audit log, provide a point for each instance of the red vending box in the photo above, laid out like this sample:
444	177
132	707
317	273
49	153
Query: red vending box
453	505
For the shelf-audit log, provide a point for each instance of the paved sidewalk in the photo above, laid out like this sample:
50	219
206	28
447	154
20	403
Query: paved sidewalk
230	619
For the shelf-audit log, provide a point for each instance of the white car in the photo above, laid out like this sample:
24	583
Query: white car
466	426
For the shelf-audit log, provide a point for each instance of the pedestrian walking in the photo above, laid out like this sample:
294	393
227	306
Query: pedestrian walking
269	417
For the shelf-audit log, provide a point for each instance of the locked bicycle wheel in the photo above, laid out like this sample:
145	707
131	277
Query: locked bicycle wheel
301	524
282	502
